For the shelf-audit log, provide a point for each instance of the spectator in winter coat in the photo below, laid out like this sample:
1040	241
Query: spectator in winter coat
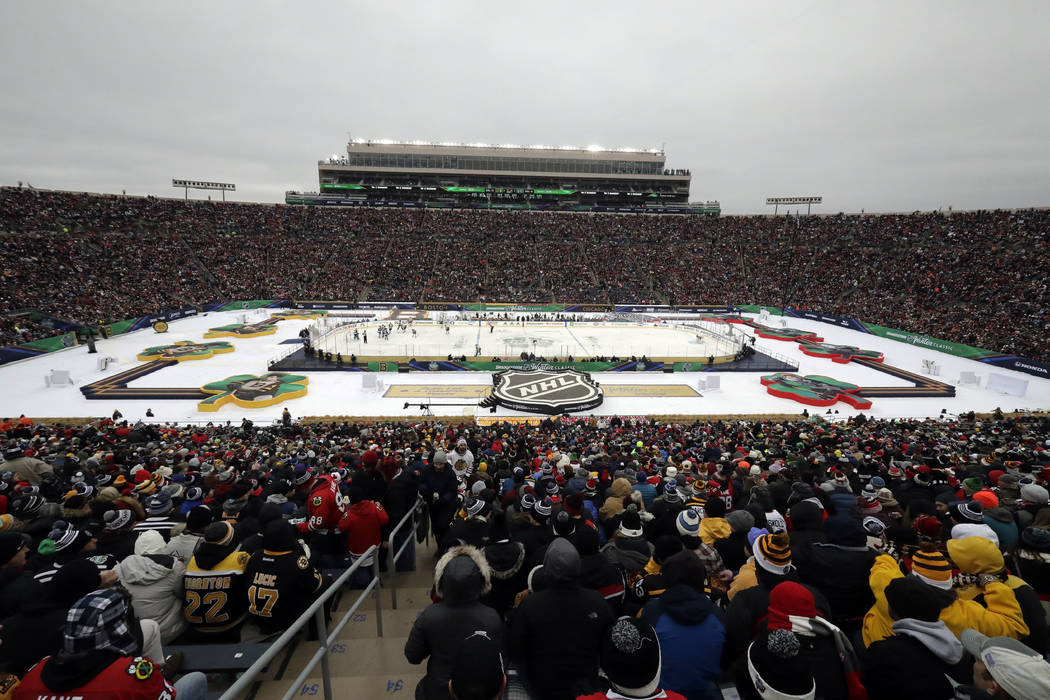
35	631
632	661
977	556
155	582
401	496
99	648
714	526
1000	615
506	559
734	548
461	577
689	627
564	665
439	488
839	568
1032	557
915	659
28	469
773	566
596	571
366	520
183	545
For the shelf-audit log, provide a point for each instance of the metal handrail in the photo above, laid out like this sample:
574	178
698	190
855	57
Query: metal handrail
326	640
392	564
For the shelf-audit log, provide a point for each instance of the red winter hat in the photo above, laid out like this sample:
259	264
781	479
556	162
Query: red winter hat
927	526
993	476
787	600
369	458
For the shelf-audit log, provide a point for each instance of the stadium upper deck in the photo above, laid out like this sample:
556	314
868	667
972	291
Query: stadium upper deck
506	176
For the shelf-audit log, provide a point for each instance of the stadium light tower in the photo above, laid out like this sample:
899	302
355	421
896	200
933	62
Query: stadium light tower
201	185
777	201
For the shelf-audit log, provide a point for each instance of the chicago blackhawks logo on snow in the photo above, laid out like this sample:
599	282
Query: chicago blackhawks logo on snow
787	334
542	391
250	391
813	389
843	354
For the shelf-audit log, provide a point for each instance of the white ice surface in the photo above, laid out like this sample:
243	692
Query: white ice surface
22	388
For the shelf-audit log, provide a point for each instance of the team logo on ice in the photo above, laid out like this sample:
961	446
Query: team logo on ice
813	389
184	350
250	391
546	391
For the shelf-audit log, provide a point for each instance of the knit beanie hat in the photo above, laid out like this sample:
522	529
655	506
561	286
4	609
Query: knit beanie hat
773	552
117	519
630	657
931	566
715	508
671	491
158	504
1034	493
740	520
987	499
777	670
542	509
11	543
630	523
753	534
968	512
886	498
927	526
198	518
787	600
219	533
279	536
665	547
688	523
909	597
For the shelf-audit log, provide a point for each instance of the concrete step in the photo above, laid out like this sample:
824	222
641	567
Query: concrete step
408	598
371	686
357	657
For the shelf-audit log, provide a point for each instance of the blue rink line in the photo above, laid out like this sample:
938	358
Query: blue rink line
577	340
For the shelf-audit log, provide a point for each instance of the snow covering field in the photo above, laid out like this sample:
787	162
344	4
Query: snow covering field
23	391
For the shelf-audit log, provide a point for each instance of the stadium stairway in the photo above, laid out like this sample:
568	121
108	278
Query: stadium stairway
362	664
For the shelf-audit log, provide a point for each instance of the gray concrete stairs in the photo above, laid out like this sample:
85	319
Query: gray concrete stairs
362	664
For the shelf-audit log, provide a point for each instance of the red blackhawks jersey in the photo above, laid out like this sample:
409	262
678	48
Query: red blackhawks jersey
326	511
127	678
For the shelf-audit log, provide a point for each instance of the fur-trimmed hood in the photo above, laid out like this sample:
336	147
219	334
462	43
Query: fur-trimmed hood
462	575
505	559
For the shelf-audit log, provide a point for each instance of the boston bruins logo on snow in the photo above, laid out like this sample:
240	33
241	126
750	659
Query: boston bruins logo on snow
541	391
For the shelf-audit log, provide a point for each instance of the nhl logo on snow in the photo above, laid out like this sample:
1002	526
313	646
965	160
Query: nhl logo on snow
546	391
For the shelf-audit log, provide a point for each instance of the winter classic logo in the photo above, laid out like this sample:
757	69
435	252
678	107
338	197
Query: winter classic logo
546	391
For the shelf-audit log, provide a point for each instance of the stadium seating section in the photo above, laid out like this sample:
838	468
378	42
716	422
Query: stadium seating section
970	277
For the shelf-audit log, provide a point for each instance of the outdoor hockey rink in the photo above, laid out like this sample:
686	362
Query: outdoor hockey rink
342	393
509	339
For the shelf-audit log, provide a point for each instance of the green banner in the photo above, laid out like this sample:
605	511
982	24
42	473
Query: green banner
66	340
757	309
957	349
119	327
246	304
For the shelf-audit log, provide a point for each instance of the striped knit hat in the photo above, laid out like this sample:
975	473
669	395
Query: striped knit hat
773	552
932	567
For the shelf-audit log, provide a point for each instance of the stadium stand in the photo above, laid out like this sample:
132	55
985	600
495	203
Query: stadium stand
966	277
681	527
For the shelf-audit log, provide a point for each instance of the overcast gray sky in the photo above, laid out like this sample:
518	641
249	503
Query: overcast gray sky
883	106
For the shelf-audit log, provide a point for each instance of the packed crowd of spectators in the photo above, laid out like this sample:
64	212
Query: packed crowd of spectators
870	559
971	278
